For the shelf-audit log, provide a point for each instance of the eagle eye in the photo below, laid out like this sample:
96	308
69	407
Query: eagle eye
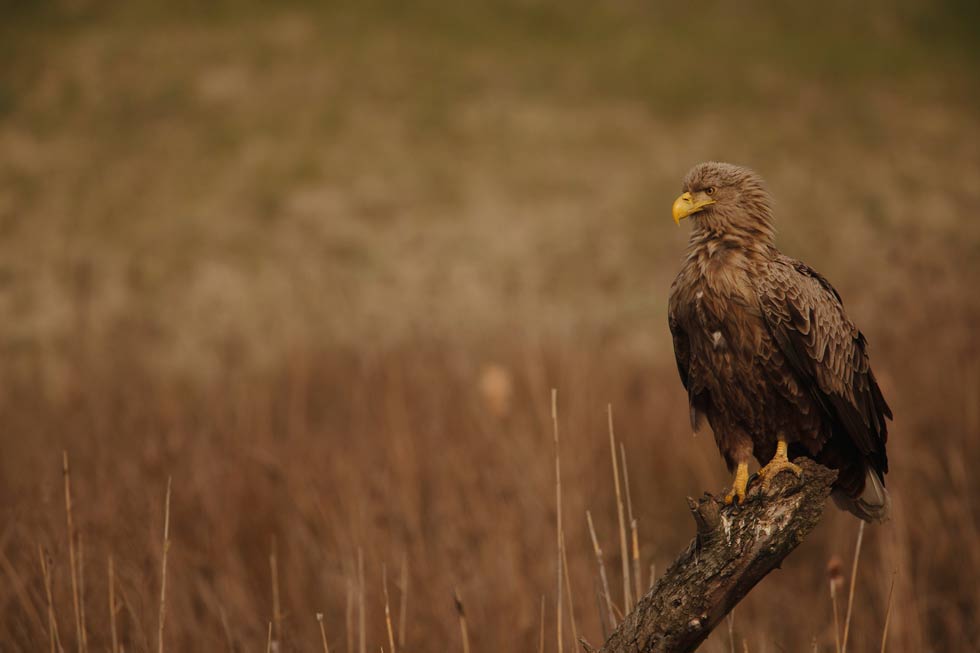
710	190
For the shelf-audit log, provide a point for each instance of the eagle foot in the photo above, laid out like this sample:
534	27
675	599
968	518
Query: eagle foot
737	494
779	463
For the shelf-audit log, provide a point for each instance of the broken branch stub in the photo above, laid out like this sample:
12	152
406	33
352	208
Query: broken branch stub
735	548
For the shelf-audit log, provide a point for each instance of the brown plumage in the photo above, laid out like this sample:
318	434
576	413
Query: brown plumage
765	349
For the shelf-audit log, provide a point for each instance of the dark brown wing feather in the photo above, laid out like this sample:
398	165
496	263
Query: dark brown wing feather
682	354
826	353
682	348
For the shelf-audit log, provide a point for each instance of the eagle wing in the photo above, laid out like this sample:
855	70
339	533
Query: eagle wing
682	354
682	348
825	353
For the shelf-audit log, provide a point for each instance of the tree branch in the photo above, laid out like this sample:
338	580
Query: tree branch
734	549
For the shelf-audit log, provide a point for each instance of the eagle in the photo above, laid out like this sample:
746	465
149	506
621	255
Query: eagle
766	351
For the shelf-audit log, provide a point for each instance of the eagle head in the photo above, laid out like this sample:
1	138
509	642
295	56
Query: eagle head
725	198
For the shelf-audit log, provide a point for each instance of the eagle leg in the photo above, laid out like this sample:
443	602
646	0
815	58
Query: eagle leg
737	493
779	463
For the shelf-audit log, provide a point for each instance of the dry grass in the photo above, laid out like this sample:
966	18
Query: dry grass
323	632
162	617
324	266
72	564
403	610
836	583
623	546
852	585
53	638
888	615
603	589
464	492
391	631
463	630
112	608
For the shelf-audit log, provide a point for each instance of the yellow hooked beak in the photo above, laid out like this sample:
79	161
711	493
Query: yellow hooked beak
685	205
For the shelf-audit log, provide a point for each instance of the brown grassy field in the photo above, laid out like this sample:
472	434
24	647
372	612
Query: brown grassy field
323	265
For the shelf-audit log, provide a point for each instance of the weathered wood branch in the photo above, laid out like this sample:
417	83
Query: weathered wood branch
734	549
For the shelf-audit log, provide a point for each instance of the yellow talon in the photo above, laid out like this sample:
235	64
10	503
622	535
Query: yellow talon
779	463
738	487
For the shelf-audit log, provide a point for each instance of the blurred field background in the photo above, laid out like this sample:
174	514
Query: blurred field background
323	265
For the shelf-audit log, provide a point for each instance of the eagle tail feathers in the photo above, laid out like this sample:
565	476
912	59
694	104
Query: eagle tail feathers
872	505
